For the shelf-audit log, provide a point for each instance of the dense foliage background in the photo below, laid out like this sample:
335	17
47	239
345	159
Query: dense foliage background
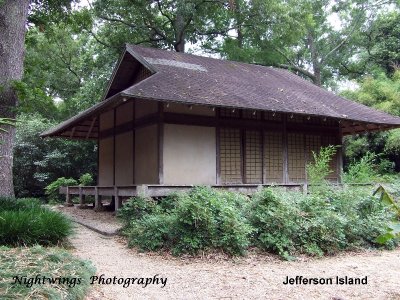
351	47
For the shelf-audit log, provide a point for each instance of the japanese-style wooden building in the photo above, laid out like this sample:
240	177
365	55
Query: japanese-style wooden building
170	120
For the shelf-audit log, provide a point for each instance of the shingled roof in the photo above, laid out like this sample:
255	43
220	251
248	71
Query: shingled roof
189	79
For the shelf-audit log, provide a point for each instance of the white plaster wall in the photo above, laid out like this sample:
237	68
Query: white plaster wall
189	154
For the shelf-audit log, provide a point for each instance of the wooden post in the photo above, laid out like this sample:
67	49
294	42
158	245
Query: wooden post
160	139
339	155
217	147
285	151
305	188
142	190
97	203
68	201
117	199
81	198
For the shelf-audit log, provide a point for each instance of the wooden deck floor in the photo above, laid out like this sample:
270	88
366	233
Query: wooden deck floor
120	192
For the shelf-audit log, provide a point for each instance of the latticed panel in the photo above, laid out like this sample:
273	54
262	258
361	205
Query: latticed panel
273	157
230	156
272	116
229	113
143	73
250	114
326	141
296	161
253	157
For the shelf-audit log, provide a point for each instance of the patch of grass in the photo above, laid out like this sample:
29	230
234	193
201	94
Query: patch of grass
25	222
49	262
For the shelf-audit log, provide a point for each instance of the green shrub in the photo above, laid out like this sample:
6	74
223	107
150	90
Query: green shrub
286	223
189	222
152	232
289	222
362	171
319	169
206	218
135	208
276	221
25	222
20	204
86	179
52	190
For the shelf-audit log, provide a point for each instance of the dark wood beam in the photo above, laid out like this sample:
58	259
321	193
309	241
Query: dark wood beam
91	127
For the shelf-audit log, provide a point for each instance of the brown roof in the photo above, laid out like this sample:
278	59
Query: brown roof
194	79
185	78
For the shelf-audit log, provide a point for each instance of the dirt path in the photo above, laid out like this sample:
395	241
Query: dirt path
254	277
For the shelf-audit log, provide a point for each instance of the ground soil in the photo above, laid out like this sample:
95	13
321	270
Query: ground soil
216	276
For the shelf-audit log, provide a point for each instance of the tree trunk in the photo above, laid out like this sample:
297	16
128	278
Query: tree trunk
238	19
315	60
180	38
13	16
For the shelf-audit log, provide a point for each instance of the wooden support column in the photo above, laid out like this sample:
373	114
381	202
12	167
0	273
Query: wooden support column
142	190
133	141
98	158
217	146
117	199
262	155
68	201
243	153
97	202
340	154
81	198
160	133
285	151
114	152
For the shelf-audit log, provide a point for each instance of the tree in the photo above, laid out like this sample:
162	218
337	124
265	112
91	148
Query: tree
38	162
381	92
13	15
166	24
13	21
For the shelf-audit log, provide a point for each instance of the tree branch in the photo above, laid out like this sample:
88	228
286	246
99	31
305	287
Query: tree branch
118	20
298	69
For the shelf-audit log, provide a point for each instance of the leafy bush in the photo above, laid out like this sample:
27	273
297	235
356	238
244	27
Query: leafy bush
362	171
26	222
38	162
189	222
206	218
135	208
286	223
152	232
52	190
319	169
289	222
86	179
